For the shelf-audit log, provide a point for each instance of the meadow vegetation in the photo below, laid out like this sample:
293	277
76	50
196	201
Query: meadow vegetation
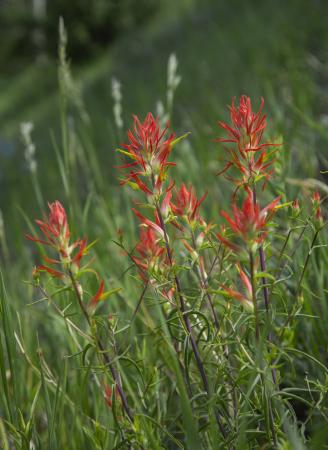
173	291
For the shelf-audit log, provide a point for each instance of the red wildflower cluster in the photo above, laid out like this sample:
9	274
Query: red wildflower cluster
249	221
152	261
151	254
249	154
186	204
247	127
149	147
55	227
56	234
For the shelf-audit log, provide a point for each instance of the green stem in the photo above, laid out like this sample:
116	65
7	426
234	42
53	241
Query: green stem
257	338
101	348
187	323
204	285
299	285
256	312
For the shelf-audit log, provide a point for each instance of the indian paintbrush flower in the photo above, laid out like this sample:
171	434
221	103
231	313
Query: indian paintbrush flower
248	222
246	128
149	148
57	236
152	262
248	153
185	204
151	254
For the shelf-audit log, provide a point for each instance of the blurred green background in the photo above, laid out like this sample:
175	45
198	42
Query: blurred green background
277	49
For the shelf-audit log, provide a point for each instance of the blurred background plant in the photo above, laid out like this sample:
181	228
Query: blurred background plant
28	26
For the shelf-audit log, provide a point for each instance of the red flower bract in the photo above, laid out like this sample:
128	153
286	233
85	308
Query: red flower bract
185	203
149	148
54	228
150	252
95	299
56	234
246	131
152	261
249	221
246	127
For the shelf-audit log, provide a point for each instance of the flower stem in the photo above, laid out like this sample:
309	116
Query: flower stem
203	278
102	350
146	285
256	312
204	286
257	337
187	323
263	269
265	292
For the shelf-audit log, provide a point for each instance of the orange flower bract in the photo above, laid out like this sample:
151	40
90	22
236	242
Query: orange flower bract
249	221
248	155
149	147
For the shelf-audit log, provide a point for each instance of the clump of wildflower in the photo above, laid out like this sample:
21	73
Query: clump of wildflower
185	204
246	129
248	154
149	148
151	254
249	221
57	236
152	261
